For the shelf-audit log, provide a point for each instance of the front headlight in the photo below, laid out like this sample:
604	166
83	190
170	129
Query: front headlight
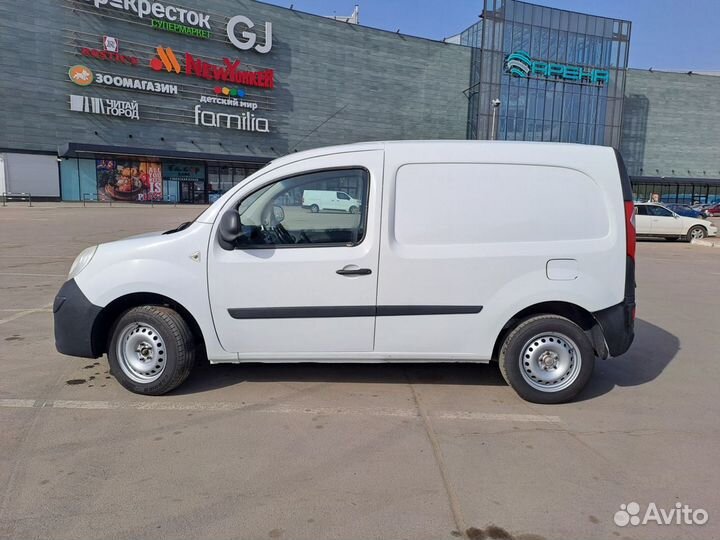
82	261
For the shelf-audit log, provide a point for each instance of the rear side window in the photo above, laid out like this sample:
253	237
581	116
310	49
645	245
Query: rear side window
641	210
485	203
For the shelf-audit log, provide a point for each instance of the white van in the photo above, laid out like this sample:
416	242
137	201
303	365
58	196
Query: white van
317	200
462	251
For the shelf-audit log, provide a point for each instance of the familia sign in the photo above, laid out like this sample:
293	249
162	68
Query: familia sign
519	64
193	23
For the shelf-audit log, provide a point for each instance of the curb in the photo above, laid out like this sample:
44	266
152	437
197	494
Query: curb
707	243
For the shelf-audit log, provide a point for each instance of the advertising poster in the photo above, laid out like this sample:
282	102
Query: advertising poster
128	180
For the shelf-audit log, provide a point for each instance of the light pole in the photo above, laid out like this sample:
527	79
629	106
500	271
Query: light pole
495	105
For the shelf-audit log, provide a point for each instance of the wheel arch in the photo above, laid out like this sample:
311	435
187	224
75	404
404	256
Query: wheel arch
112	312
577	314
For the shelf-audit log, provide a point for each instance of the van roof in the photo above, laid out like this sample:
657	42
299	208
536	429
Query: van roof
421	145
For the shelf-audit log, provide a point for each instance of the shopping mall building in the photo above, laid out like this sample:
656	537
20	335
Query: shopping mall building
156	100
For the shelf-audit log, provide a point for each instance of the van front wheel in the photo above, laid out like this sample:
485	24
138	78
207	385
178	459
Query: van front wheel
547	359
152	350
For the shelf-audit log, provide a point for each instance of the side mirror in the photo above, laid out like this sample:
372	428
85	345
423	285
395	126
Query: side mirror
278	214
230	230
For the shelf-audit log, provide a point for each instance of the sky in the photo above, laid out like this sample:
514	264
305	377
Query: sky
666	34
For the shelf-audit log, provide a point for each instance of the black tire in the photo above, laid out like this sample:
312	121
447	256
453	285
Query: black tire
353	210
314	208
697	229
177	358
522	336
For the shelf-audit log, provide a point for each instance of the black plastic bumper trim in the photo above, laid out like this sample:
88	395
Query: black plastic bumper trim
74	318
618	326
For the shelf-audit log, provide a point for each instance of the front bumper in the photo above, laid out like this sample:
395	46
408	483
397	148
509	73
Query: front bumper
75	317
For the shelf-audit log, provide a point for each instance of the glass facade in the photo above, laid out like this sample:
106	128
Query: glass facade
558	75
114	178
676	190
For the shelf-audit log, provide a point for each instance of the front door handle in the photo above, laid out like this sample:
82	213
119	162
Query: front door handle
354	271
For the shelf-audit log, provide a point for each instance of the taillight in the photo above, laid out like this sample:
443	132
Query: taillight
630	228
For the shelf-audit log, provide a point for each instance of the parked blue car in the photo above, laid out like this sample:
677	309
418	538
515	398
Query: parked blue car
685	210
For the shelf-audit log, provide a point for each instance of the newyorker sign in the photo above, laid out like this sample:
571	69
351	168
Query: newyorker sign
228	72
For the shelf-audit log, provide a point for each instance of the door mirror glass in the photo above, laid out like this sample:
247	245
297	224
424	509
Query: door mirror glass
230	230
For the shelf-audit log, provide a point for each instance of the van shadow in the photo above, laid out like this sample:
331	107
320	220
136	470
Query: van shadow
211	377
652	350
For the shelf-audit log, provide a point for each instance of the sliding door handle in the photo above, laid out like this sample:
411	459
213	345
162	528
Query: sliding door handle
348	271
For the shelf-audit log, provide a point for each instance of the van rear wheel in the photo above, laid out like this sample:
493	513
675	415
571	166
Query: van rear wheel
547	359
152	350
314	208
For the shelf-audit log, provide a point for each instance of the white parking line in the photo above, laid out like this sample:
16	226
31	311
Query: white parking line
161	405
23	274
44	309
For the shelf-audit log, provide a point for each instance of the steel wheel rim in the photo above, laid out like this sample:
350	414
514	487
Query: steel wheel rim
697	234
141	352
550	362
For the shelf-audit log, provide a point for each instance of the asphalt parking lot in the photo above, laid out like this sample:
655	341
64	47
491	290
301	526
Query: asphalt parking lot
352	451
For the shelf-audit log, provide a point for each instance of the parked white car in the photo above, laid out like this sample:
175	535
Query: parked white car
432	268
655	220
318	200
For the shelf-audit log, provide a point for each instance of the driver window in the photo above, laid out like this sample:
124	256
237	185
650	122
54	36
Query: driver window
305	209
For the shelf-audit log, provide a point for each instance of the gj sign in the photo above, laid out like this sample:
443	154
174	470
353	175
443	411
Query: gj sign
519	64
248	38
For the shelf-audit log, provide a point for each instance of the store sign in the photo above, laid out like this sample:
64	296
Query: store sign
106	107
194	67
110	56
81	75
248	38
157	10
178	28
241	122
519	64
111	44
230	101
131	83
193	23
182	171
